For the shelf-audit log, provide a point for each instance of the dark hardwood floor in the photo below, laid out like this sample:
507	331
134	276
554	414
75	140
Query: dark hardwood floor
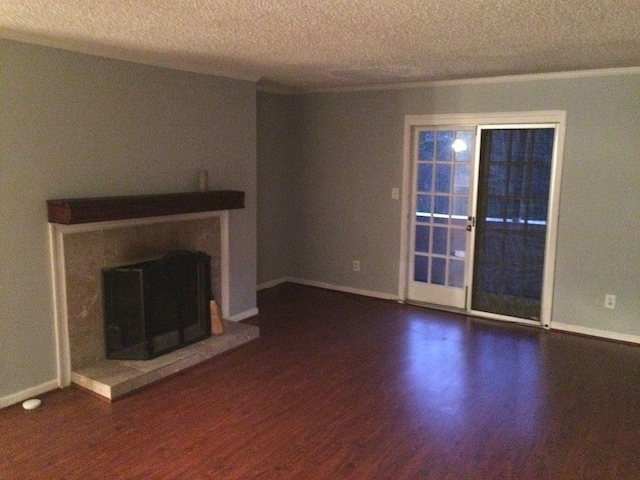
341	386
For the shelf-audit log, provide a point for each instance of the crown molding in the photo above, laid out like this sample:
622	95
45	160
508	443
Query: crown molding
277	89
531	77
131	56
269	86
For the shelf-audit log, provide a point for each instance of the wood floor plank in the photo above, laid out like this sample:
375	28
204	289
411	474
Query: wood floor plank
341	386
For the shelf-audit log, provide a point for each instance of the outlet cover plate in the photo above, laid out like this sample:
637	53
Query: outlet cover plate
610	301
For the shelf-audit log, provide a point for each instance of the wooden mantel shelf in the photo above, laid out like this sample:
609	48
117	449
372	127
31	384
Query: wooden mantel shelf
86	210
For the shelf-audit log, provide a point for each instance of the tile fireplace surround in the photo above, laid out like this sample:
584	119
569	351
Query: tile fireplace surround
87	235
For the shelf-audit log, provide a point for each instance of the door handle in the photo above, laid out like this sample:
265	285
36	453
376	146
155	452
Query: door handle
471	222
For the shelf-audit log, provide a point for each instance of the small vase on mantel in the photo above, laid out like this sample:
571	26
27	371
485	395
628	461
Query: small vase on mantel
203	181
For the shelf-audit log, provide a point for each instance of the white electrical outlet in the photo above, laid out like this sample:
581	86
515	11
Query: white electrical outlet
609	301
395	193
356	265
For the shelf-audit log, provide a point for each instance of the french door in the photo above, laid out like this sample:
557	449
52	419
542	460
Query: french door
442	170
482	215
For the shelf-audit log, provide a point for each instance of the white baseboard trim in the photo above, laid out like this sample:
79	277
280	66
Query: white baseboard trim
238	317
28	393
274	283
342	288
594	332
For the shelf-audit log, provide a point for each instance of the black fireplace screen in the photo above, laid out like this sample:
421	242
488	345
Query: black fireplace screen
154	307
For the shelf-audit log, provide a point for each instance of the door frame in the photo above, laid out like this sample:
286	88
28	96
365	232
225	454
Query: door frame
556	117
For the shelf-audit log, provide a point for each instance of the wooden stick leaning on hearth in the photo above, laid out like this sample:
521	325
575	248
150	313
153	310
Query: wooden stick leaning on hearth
216	319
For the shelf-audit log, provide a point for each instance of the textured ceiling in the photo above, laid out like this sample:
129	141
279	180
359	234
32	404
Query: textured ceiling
336	43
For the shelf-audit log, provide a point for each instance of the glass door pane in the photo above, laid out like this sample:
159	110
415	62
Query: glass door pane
442	179
512	205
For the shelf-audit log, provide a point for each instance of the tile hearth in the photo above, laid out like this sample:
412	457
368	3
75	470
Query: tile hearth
114	378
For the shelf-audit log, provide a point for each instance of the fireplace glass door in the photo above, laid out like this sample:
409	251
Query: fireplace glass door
154	307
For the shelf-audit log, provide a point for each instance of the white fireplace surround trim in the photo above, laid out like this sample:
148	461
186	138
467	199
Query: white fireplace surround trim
57	233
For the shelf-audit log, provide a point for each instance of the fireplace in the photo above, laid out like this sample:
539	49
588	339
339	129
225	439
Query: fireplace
157	306
89	235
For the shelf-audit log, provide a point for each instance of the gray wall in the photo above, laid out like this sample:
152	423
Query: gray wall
278	190
74	125
350	156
